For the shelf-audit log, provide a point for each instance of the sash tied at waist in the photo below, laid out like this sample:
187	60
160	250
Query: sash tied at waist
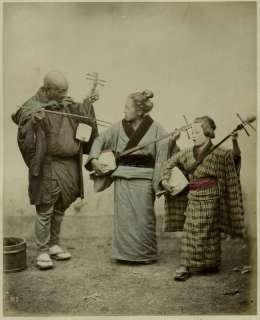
137	160
203	183
61	158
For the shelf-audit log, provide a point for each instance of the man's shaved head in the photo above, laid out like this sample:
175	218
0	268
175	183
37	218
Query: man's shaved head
55	79
55	86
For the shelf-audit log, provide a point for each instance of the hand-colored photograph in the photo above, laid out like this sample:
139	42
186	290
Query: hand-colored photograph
129	159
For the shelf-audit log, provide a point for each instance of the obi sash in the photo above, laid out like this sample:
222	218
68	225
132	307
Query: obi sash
203	183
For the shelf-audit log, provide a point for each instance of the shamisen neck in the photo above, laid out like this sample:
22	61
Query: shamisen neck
199	151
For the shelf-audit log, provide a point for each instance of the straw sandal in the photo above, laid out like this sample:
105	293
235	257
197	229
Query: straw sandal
57	253
182	274
44	261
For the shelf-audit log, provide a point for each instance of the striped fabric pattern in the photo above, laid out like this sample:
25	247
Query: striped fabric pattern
200	247
218	164
204	213
174	212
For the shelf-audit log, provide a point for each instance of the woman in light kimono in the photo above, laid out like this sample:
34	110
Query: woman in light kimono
212	204
135	179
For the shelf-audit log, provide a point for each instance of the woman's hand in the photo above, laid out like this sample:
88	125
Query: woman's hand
167	187
234	136
175	135
99	167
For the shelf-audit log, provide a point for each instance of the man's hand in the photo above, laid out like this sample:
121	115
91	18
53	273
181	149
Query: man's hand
38	115
92	97
167	187
99	167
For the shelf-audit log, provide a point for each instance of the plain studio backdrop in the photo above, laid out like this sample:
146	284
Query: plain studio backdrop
197	58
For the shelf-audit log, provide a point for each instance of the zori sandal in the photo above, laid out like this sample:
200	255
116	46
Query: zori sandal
58	253
182	274
44	261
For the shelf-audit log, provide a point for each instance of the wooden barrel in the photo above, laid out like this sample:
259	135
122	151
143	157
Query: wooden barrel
14	254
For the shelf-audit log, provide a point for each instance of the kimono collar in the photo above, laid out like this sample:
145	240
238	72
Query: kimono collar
200	155
135	136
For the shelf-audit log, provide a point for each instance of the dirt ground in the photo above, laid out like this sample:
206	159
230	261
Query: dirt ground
93	284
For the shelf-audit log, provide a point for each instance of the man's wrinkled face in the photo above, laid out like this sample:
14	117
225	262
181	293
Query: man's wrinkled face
197	135
57	93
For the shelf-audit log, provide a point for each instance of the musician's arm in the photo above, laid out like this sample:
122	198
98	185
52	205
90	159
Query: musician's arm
167	166
236	152
173	147
160	157
165	172
85	109
103	142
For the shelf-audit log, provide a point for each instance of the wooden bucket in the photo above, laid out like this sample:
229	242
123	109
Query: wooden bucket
14	254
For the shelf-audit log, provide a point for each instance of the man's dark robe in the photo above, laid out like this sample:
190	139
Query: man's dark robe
50	150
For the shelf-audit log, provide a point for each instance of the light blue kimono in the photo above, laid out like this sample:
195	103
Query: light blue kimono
134	232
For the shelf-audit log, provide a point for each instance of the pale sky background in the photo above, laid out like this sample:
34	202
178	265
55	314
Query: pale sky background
197	58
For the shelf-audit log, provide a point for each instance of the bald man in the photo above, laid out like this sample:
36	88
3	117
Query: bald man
54	158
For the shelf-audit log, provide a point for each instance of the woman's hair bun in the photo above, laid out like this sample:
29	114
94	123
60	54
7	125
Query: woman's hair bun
208	126
148	94
142	100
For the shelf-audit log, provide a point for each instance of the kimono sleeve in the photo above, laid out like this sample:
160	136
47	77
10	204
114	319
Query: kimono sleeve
105	141
175	207
165	172
160	157
31	140
236	155
233	198
85	109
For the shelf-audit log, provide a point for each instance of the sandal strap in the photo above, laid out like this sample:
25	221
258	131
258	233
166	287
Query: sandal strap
181	270
56	250
44	257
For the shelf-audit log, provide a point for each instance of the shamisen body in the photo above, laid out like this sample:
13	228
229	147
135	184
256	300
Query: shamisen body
131	155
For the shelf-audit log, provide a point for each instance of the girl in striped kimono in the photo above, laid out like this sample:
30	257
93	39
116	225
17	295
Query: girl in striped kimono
211	204
136	179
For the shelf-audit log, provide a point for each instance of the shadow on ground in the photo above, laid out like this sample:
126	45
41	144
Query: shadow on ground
93	284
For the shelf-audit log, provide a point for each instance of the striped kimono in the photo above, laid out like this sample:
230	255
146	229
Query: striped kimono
136	180
205	212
